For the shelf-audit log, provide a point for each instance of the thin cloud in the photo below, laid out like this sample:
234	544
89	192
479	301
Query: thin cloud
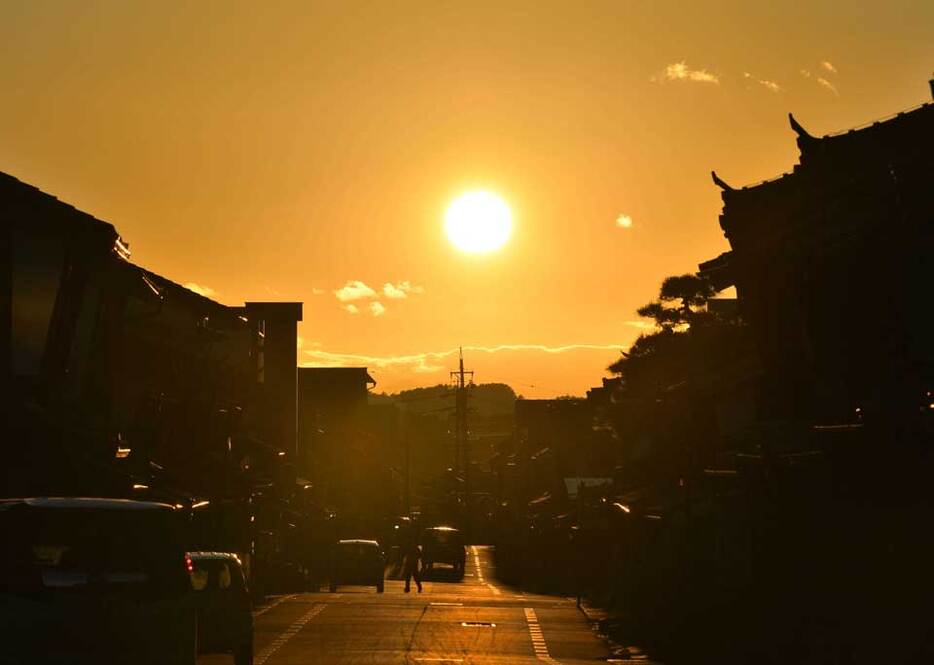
350	308
828	66
624	222
828	85
641	325
315	291
429	362
200	289
771	86
377	308
679	71
354	290
820	80
400	289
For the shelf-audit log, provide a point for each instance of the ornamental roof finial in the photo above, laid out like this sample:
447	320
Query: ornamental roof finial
798	129
720	183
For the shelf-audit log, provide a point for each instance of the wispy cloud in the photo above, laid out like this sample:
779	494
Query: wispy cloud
429	361
624	222
200	289
641	325
354	290
828	85
377	308
828	66
400	290
350	308
315	291
820	80
772	86
679	71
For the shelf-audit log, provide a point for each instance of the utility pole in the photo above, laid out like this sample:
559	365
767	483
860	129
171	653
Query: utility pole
407	495
462	442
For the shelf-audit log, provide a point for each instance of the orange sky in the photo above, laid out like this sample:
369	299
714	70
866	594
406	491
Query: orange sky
280	150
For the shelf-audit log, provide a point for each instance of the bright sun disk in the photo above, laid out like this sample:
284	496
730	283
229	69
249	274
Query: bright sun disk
478	222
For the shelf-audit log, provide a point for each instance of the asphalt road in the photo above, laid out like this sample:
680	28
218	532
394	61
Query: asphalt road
473	621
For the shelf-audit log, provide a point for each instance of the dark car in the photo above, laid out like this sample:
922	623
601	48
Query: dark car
225	616
443	544
86	580
357	562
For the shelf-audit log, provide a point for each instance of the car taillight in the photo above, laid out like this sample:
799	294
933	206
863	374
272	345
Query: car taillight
189	566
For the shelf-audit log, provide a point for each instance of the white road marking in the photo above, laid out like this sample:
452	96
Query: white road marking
287	634
277	601
476	560
538	639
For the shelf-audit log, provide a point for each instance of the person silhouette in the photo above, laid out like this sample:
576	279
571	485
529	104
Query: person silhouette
410	559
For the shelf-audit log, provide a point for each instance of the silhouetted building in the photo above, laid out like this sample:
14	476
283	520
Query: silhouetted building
122	375
556	439
337	446
830	265
55	252
276	347
605	394
124	383
330	399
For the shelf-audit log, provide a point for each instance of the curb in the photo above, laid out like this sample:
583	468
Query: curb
618	652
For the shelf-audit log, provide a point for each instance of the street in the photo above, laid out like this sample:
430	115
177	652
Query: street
473	621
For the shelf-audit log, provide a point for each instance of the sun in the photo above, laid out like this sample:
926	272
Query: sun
478	222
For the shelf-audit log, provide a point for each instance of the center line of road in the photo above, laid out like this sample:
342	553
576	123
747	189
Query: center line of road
287	634
538	639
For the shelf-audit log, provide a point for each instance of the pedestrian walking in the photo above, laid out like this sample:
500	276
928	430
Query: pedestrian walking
411	556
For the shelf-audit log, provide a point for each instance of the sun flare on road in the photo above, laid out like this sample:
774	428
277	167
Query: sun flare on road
478	222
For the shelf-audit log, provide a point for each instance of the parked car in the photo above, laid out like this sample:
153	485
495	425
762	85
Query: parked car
225	611
357	562
87	580
443	544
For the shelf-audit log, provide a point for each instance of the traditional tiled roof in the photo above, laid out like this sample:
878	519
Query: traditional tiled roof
864	168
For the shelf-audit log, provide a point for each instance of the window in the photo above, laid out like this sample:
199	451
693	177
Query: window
223	576
199	579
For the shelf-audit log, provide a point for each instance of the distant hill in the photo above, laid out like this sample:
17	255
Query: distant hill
486	399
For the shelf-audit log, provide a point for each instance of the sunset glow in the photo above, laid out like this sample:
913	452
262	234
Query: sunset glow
519	184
